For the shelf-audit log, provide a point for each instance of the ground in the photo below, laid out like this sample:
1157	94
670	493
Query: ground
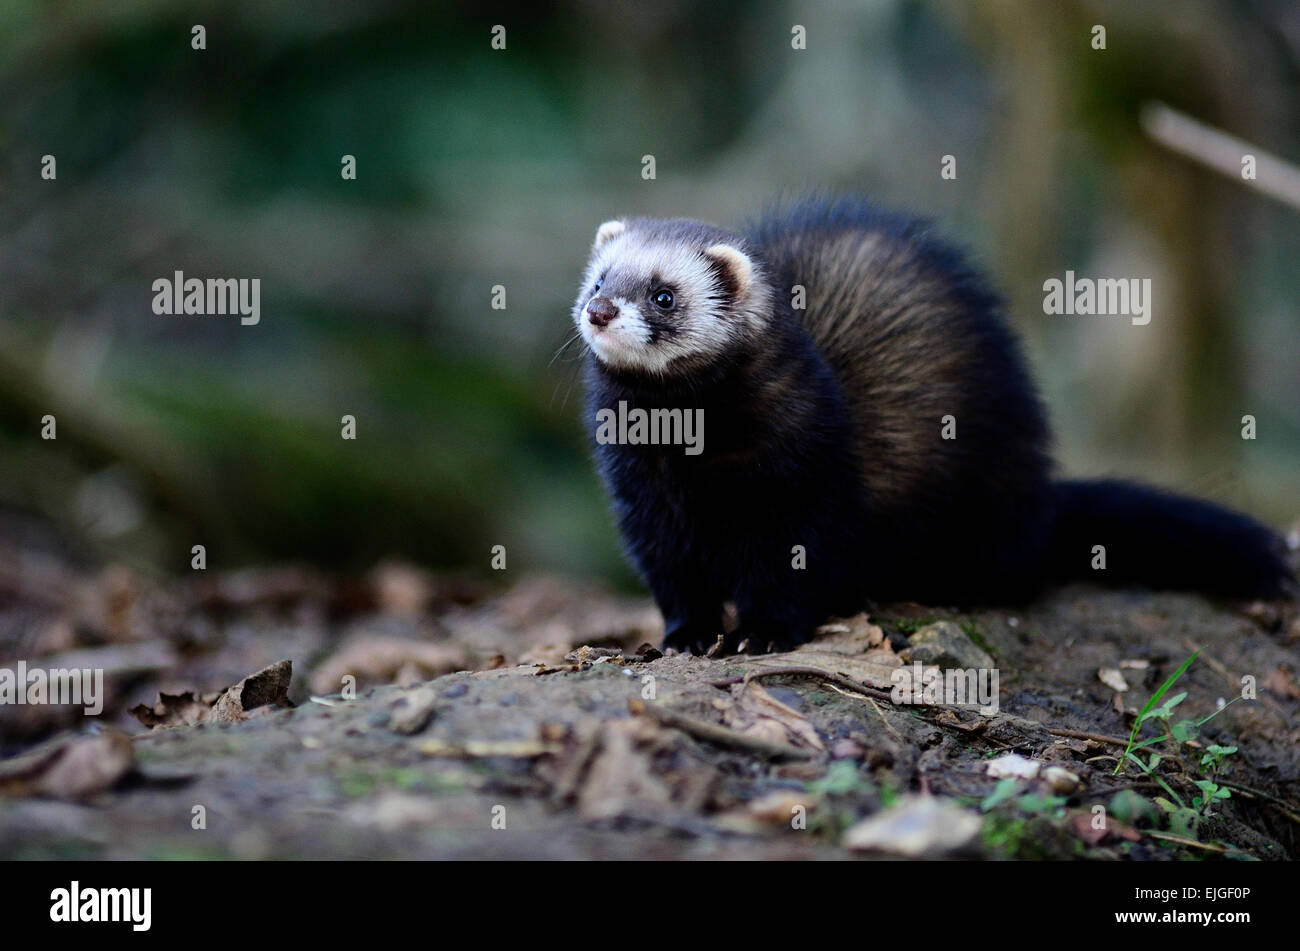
423	715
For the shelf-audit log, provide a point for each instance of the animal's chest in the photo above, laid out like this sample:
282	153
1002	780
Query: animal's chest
713	495
703	467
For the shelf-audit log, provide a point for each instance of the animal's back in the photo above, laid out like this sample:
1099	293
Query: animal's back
915	337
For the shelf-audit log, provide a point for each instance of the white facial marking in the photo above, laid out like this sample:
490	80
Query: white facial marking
700	328
624	341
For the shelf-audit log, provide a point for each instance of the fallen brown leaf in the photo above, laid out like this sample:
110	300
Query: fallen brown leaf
756	702
174	709
265	689
401	590
379	660
620	780
1279	681
75	767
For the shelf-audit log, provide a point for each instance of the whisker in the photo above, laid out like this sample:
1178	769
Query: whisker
573	377
563	347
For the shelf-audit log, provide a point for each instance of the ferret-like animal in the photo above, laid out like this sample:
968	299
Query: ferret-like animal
884	441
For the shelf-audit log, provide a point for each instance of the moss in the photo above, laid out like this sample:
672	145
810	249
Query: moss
909	626
1015	838
971	630
356	783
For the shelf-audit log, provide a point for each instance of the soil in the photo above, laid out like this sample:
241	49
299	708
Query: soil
433	716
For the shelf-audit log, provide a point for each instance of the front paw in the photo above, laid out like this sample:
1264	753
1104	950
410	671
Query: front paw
691	638
765	639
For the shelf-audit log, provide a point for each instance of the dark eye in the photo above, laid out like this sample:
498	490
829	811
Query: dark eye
663	300
597	287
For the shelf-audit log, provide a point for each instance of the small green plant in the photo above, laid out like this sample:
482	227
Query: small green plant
1181	731
888	794
1004	790
841	779
1183	818
1021	837
1132	808
840	791
1030	803
1150	712
1211	791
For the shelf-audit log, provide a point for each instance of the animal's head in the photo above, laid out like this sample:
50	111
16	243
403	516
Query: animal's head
668	297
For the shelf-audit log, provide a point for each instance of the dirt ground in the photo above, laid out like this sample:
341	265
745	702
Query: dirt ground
424	716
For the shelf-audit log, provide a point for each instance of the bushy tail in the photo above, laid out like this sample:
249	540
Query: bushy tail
1161	540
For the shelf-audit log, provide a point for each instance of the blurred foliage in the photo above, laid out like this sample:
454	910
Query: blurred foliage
479	167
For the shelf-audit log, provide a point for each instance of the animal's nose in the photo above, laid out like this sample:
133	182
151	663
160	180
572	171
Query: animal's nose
601	311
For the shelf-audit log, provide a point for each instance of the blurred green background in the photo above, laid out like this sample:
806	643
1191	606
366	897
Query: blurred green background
479	167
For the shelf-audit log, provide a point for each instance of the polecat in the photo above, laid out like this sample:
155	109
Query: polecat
882	442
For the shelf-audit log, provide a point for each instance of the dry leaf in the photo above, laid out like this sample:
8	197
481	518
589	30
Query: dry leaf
769	731
852	648
378	660
268	688
587	654
778	807
401	590
1280	682
620	780
851	634
754	700
265	690
545	655
174	709
75	767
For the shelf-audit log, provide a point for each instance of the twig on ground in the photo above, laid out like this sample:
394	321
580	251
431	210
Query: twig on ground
1098	737
1283	806
1190	843
1235	683
716	732
888	726
830	677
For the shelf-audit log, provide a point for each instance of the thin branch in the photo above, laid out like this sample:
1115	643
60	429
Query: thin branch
716	733
1274	176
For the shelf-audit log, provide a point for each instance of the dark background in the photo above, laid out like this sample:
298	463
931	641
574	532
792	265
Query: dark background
479	167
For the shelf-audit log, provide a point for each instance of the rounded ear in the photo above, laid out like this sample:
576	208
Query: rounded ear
734	267
609	231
